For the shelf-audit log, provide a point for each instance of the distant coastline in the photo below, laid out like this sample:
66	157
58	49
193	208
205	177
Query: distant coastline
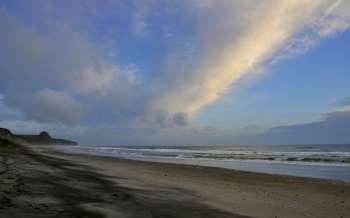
43	138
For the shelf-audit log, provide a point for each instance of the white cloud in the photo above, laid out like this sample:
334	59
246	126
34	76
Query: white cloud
139	19
36	58
240	37
55	54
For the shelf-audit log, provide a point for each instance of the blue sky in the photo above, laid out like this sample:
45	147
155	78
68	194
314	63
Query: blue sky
177	72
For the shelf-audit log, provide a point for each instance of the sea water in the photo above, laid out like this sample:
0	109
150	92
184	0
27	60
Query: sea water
315	161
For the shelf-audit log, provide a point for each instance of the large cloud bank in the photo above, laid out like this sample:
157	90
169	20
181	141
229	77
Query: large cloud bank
333	128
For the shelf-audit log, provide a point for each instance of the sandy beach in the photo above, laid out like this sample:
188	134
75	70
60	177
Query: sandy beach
174	109
50	184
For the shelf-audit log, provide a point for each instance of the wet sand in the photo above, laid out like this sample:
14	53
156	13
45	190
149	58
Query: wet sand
48	184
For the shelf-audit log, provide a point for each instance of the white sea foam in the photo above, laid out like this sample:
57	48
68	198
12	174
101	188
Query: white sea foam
320	161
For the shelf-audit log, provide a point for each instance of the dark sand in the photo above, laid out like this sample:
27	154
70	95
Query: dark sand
59	185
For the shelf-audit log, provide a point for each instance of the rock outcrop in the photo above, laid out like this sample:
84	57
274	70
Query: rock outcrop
5	133
5	136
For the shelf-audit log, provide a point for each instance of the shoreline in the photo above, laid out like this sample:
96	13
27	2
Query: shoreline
231	190
194	166
112	187
312	170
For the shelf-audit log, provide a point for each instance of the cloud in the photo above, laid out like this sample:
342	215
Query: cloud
71	63
47	106
343	102
180	119
240	37
5	112
139	18
333	128
55	56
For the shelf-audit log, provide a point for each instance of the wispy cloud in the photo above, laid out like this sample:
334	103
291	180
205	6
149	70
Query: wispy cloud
238	38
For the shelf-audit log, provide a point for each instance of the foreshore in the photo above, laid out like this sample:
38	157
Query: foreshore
50	184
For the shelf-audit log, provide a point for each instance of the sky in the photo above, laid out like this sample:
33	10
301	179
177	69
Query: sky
177	72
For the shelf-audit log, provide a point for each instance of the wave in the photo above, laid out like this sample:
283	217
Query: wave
325	162
309	154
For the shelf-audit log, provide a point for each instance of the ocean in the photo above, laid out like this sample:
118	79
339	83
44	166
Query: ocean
314	161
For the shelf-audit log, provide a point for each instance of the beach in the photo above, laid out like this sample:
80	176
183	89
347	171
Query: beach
44	183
